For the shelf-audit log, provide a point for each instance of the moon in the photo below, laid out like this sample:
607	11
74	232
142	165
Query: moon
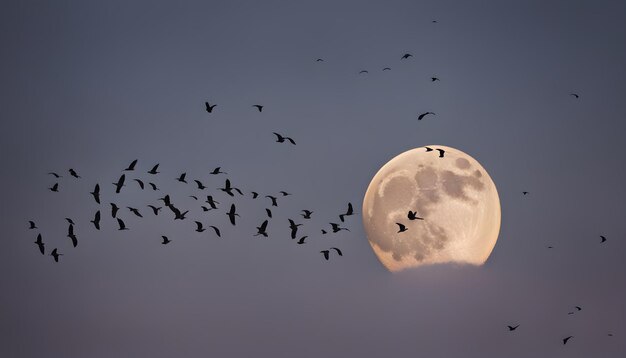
454	195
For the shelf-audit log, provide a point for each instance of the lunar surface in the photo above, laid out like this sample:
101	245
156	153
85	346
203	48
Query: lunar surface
454	195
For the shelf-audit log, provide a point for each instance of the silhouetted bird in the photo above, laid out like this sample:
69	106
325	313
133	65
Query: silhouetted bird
181	178
301	241
401	227
567	339
387	69
208	107
578	308
211	202
524	193
232	213
96	220
574	95
199	227
512	328
96	193
114	210
178	215
259	107
55	188
73	173
273	199
336	228
155	209
141	185
349	212
429	149
307	214
154	169
280	138
165	240
70	234
421	116
134	211
228	189
294	228
131	167
121	224
217	171
319	60
363	71
326	253
406	55
268	212
31	225
154	187
433	79
55	254
119	184
200	185
441	152
40	244
602	238
217	231
261	230
413	215
254	194
55	175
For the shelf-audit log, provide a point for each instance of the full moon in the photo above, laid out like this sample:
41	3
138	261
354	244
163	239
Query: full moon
453	195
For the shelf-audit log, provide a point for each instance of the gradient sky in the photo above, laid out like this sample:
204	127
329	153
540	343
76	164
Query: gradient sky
93	85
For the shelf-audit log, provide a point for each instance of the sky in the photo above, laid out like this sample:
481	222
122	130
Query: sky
94	85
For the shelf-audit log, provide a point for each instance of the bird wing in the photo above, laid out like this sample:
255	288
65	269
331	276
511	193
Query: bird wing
338	251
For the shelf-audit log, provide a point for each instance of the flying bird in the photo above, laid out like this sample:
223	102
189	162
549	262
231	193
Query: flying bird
280	138
141	185
73	173
441	152
306	214
70	234
319	60
199	227
429	149
324	232
165	240
325	253
567	339
70	221
259	107
96	220
155	209
55	254
31	225
401	227
273	199
200	185
131	167
217	171
406	55
119	184
301	241
217	231
134	211
413	215
232	213
96	193
575	95
363	71
211	202
181	178
261	230
336	228
268	212
602	238
254	194
421	116
40	244
154	169
228	189
208	107
349	212
55	188
294	228
524	193
512	328
114	210
154	187
121	224
433	79
387	69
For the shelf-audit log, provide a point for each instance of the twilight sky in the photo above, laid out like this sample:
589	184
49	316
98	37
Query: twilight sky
93	85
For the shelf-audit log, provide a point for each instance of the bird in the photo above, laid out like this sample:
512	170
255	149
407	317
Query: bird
258	106
319	60
301	240
165	240
181	178
96	193
575	95
273	199
254	194
433	79
154	169
40	244
406	55
69	221
121	224
284	193
154	187
217	171
96	220
441	152
327	252
131	167
211	202
228	189
524	193
578	308
193	197
349	212
306	214
31	225
602	238
261	230
119	184
200	185
155	209
217	231
55	175
413	215
268	212
336	228
512	328
232	213
134	211
72	236
73	173
280	138
401	227
141	185
421	116
387	69
178	215
199	227
208	107
55	254
567	339
294	228
363	71
55	188
429	149
114	210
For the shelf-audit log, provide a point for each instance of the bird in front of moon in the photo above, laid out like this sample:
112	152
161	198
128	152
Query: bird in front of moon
455	197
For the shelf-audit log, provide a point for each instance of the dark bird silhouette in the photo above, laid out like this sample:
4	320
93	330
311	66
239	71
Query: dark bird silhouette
574	95
114	210
121	224
228	189
349	212
134	211
567	339
217	171
70	221
413	215
70	234
441	152
273	199
96	220
120	183
73	173
301	241
55	188
319	60
96	193
524	193
406	55
155	209
211	202
181	178
259	107
429	149
141	185
363	71
254	194
200	185
31	225
193	197
232	213
602	238
55	254
268	212
281	139
55	175
40	244
178	215
387	69
433	79
284	193
217	231
336	228
261	230
421	116
154	169
401	227
199	227
131	167
165	240
154	187
578	308
208	107
306	214
294	228
325	253
512	328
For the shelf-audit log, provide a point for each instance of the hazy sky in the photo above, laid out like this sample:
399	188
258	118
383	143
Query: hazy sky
93	85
